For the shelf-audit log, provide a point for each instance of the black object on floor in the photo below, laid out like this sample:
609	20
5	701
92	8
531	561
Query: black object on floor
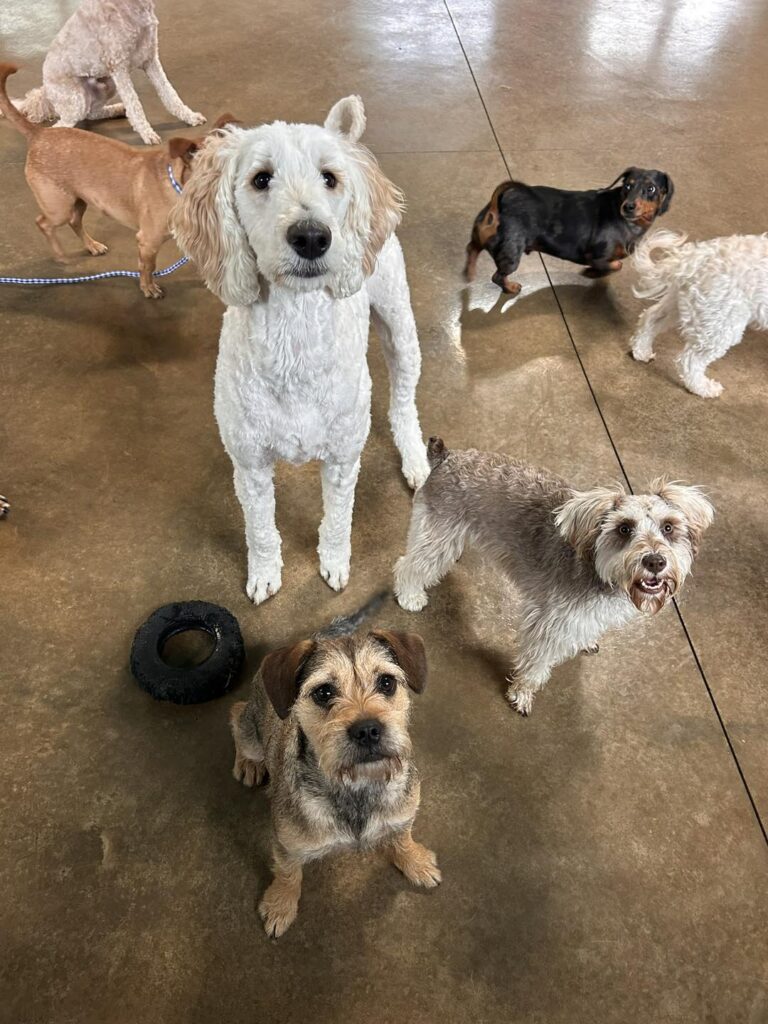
197	683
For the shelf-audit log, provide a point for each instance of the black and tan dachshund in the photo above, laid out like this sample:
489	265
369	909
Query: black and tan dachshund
598	228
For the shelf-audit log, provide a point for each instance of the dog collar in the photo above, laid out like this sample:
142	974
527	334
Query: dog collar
172	179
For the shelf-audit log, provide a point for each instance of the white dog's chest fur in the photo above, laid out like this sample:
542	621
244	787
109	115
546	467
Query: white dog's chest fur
292	378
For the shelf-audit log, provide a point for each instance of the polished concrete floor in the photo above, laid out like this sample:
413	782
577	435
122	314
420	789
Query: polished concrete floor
603	861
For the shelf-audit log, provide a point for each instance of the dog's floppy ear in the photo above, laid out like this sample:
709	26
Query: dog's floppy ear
667	190
409	652
694	505
347	118
579	519
206	226
373	214
281	675
624	174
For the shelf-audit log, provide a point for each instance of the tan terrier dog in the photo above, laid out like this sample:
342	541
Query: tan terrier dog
328	722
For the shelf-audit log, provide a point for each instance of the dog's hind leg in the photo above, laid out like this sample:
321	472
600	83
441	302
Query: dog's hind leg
335	541
704	343
255	489
652	321
168	95
250	766
133	108
68	99
76	223
507	255
434	546
57	209
393	318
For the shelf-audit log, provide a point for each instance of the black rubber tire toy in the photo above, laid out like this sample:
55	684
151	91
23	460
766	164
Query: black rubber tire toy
212	677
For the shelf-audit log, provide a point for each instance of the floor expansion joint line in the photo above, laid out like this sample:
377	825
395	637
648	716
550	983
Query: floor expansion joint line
688	638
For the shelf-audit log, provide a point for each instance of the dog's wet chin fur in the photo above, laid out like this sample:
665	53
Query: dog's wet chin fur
649	594
378	768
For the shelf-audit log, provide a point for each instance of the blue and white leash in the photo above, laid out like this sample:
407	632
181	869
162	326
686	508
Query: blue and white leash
107	273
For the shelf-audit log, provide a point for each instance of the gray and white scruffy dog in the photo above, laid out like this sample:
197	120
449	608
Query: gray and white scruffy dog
327	721
583	561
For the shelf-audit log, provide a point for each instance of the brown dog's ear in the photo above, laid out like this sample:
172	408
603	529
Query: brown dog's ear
281	675
182	148
409	653
580	519
696	508
223	120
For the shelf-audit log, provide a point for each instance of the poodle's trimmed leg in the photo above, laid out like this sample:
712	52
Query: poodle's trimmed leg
106	112
168	95
335	540
651	322
393	318
255	489
133	108
433	547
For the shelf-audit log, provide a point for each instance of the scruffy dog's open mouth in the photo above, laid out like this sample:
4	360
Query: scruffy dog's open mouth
652	585
373	767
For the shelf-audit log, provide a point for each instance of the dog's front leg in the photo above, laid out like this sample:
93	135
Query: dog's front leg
255	489
280	903
335	540
133	108
168	95
417	863
393	318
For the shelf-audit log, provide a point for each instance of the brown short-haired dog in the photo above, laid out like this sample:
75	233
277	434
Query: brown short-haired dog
328	722
68	168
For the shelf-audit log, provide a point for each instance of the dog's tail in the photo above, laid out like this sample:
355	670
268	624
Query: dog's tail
655	275
436	452
15	116
345	624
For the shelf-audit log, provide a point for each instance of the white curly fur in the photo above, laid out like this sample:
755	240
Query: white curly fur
91	59
713	290
292	380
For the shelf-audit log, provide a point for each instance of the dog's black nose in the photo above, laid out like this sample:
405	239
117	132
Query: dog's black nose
309	239
367	732
629	208
654	562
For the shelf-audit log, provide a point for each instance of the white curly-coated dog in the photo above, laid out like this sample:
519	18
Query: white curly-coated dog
712	290
91	59
292	226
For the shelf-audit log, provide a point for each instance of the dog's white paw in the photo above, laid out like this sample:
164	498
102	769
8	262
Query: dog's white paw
335	574
5	506
150	138
643	355
416	469
278	910
194	117
412	601
264	583
705	388
520	700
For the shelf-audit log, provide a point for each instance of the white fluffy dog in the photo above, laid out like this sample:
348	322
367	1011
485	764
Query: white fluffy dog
292	226
92	57
713	290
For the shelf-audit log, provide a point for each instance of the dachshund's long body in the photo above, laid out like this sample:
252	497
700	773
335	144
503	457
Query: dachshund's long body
597	228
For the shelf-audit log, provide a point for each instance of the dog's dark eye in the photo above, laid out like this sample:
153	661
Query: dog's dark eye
668	527
262	180
323	694
628	187
651	190
386	684
330	179
625	529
